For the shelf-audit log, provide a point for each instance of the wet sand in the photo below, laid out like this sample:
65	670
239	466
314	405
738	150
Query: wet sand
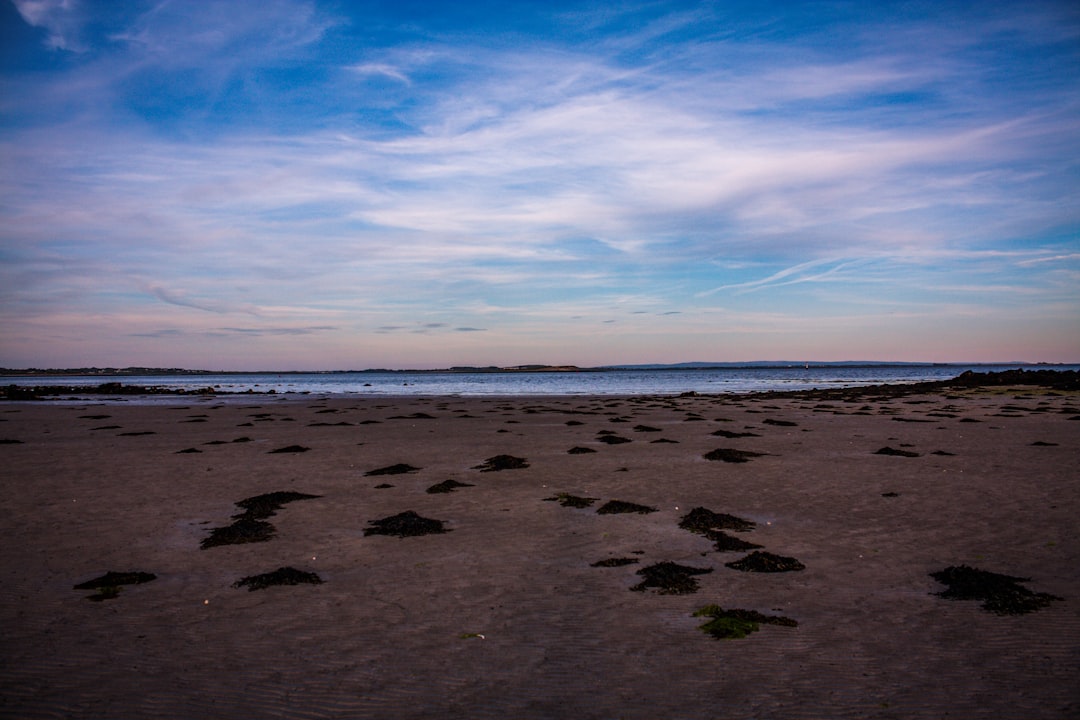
524	605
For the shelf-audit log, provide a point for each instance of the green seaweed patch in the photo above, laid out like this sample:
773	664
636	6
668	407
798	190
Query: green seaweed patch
406	524
737	623
447	486
701	520
502	462
572	501
614	562
613	507
1001	594
398	469
670	578
766	562
731	455
281	576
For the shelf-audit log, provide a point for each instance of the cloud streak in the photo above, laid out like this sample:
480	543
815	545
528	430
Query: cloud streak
276	167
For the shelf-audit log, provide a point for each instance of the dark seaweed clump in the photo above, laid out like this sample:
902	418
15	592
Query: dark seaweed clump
1001	594
736	623
730	455
670	578
731	435
244	530
502	462
267	505
614	562
723	542
251	526
108	585
406	524
112	579
399	469
291	449
897	453
612	507
573	501
702	519
281	576
579	451
766	562
613	439
447	486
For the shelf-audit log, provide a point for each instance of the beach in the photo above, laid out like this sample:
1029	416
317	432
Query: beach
526	601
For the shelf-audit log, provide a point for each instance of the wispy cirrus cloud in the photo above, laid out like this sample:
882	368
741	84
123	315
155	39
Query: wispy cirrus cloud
274	166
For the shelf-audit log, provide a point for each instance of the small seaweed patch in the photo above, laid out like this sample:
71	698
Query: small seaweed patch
188	451
645	428
779	423
398	469
281	576
614	562
737	623
383	486
613	439
266	505
730	455
664	440
613	507
897	453
670	578
406	524
702	519
573	501
766	562
447	486
579	451
1001	594
502	462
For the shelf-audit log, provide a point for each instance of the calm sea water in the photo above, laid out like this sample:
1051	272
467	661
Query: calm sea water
614	382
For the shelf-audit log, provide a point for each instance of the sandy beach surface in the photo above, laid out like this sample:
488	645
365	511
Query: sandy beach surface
505	614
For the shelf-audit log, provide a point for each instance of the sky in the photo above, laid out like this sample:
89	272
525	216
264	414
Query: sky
313	185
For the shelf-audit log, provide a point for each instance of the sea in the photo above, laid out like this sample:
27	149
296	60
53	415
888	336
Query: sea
652	381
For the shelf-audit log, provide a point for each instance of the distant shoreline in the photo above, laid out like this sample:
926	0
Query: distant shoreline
1045	377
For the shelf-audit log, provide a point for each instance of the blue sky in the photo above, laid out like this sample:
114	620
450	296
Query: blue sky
330	185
